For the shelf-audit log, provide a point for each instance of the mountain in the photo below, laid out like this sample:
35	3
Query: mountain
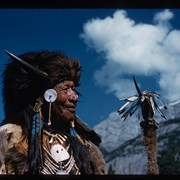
122	141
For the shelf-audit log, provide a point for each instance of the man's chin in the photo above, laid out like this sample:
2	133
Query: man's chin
69	115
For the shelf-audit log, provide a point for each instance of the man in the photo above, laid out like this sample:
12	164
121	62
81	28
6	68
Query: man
41	133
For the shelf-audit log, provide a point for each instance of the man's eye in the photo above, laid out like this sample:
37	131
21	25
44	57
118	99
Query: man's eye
64	89
74	89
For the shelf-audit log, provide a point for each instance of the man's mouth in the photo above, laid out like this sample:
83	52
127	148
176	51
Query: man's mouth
71	109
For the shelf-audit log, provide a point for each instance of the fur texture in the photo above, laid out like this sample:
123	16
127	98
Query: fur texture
14	153
10	135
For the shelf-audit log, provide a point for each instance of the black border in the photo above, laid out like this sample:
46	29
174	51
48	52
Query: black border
90	4
55	4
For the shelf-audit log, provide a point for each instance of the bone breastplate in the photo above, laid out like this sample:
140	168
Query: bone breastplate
58	153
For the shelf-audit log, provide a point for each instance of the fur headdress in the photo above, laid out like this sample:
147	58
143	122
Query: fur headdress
23	83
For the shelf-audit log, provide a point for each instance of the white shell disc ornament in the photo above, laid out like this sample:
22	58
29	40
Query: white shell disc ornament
50	95
59	153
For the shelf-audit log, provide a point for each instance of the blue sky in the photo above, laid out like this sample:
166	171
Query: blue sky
111	44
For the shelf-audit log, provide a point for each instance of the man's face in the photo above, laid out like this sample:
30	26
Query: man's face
67	98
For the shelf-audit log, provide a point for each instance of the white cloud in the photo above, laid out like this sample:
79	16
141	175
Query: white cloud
135	48
163	16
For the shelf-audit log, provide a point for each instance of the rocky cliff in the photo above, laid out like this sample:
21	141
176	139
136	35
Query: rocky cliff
122	141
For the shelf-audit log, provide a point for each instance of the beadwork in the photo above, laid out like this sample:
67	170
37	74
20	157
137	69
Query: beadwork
52	165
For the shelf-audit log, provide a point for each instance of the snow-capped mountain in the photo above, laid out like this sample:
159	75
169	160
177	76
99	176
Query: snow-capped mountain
122	142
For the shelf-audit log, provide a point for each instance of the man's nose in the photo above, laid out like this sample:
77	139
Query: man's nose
72	94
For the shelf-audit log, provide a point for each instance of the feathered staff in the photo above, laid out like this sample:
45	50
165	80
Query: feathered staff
147	101
144	100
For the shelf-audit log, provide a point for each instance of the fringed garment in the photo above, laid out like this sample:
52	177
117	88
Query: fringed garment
59	158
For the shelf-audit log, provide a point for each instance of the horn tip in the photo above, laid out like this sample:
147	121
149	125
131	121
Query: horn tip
7	52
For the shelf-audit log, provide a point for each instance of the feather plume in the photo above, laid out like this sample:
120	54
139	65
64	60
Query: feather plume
137	101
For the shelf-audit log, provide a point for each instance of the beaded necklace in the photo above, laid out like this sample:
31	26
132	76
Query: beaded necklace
58	153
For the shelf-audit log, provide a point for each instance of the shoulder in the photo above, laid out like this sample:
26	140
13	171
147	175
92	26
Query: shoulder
10	127
11	145
96	157
12	133
93	148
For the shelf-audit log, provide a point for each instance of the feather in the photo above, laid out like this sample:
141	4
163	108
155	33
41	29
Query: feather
132	98
159	98
128	102
123	108
165	107
159	110
154	94
152	103
134	109
129	111
134	102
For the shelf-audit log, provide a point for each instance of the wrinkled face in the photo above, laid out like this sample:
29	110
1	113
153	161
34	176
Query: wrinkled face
67	97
